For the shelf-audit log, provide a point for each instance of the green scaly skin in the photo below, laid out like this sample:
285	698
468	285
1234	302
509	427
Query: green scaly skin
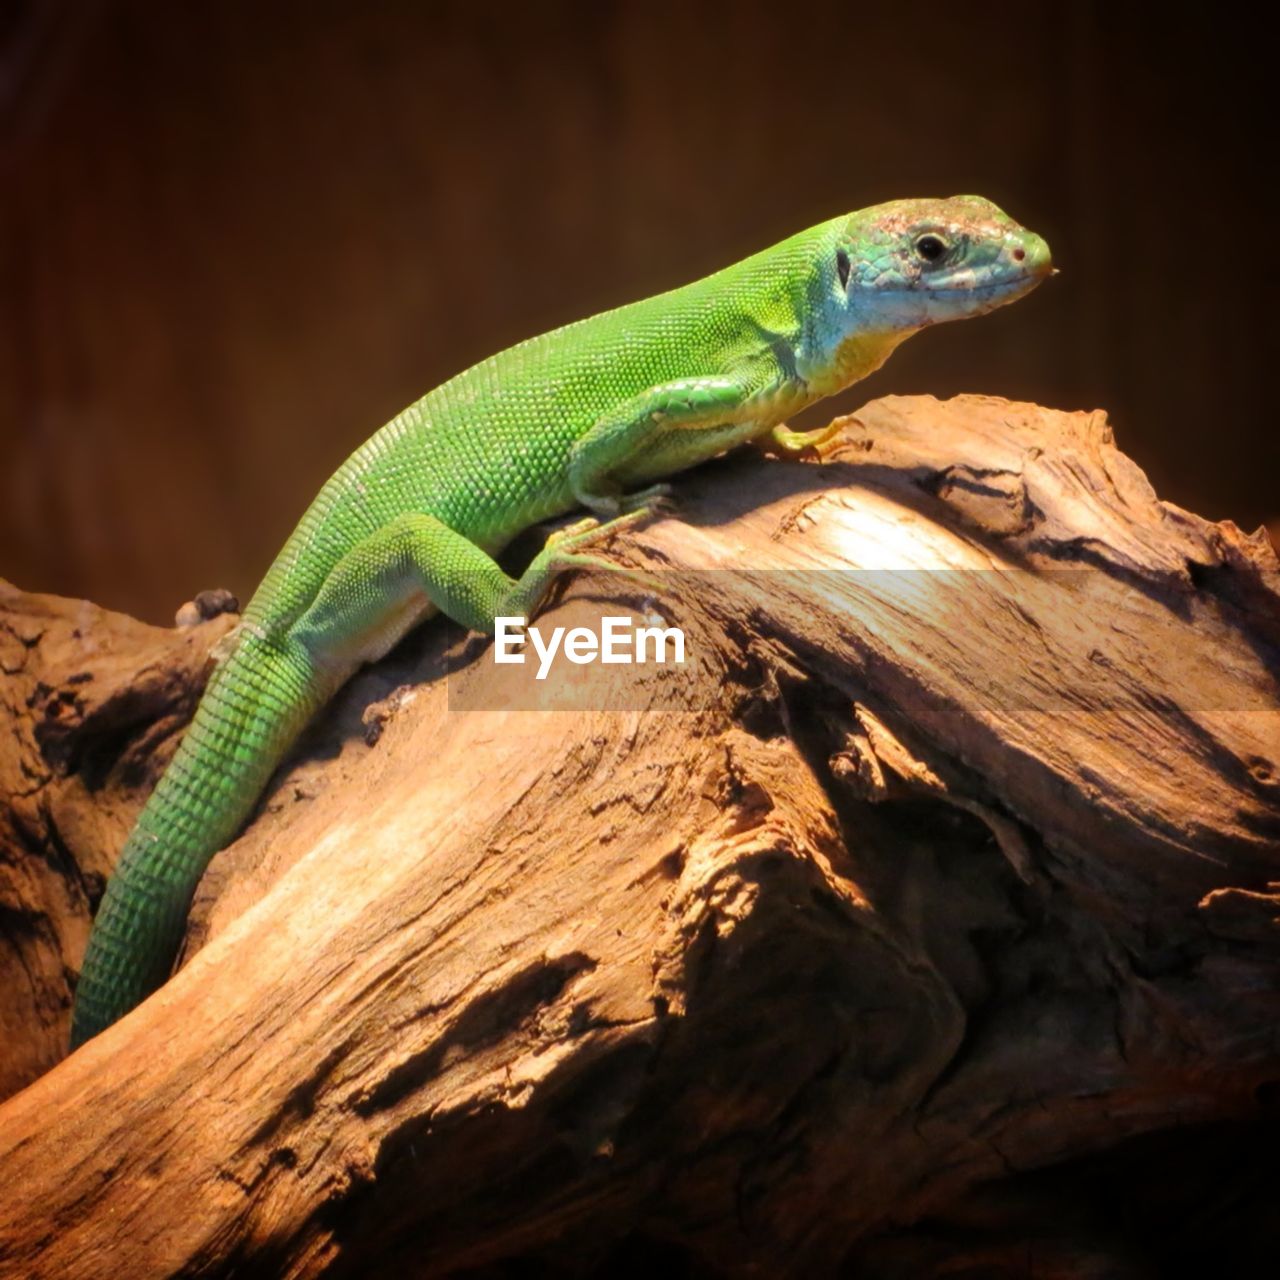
584	416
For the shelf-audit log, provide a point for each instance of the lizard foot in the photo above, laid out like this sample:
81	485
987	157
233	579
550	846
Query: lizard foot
609	507
564	548
782	442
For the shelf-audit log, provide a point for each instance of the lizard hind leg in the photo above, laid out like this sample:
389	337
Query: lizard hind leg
414	563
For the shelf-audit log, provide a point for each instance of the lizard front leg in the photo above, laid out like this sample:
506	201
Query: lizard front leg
666	428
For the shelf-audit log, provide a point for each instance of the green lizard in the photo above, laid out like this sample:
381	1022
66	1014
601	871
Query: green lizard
590	415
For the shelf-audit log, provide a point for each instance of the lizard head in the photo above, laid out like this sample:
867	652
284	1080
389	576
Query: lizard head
911	263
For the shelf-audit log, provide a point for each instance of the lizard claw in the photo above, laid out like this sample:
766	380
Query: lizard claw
782	442
657	497
579	529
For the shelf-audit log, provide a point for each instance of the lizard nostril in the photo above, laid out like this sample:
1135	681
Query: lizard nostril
1019	254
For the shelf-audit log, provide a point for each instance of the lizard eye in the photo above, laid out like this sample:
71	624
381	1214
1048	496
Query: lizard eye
930	247
842	267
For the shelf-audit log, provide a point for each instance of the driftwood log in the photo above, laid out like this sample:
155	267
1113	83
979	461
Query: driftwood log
923	922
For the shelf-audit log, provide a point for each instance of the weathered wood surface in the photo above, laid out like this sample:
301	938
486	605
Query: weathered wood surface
922	876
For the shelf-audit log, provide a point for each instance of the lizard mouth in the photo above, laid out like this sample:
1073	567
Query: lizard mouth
941	300
1025	279
1009	282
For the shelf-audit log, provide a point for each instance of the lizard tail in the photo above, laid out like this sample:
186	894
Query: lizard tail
257	702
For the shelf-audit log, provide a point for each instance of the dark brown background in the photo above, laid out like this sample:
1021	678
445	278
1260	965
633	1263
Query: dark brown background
235	238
